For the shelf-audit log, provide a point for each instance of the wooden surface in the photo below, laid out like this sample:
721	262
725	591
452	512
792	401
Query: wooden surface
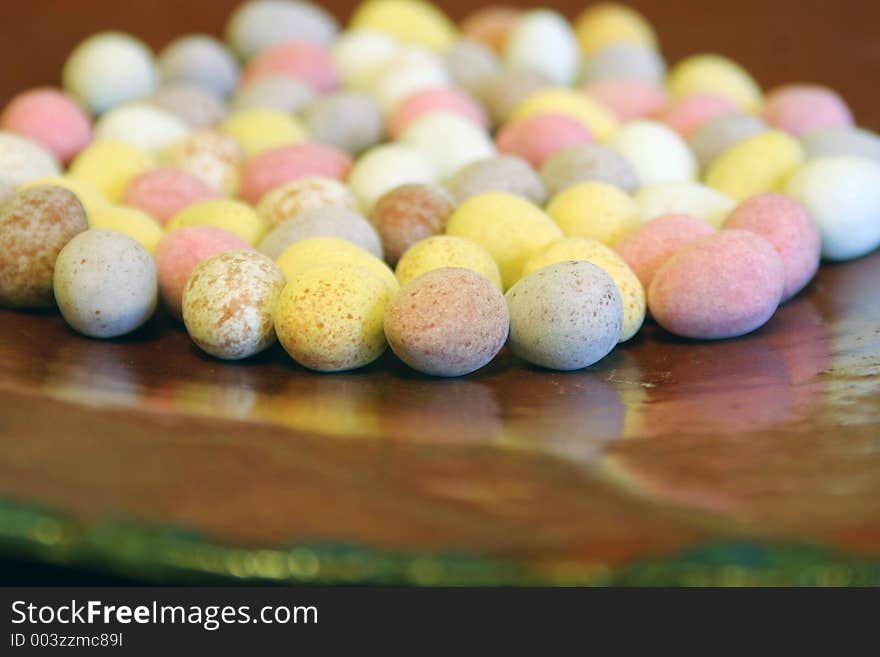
664	446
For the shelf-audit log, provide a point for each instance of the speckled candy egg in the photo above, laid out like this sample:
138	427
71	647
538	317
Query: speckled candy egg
801	108
23	160
588	163
6	192
276	92
716	135
565	316
307	193
141	125
201	60
105	284
50	118
305	61
504	173
229	301
349	121
34	226
340	223
448	140
330	317
313	251
260	24
270	170
542	40
446	251
410	213
92	200
448	322
537	138
209	155
178	252
195	106
720	286
787	226
596	210
164	192
382	168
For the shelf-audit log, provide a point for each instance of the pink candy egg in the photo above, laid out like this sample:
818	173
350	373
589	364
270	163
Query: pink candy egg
629	99
305	61
720	286
162	193
686	115
648	247
273	168
50	118
787	225
435	100
801	108
537	138
178	252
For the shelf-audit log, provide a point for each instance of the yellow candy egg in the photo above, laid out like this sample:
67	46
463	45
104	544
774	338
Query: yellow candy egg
762	163
596	210
330	318
608	23
260	129
314	251
598	119
632	294
236	217
135	223
410	21
714	74
108	166
92	200
446	251
508	227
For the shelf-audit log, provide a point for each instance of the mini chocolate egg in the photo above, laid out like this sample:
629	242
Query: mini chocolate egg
238	218
853	141
798	109
178	252
538	138
133	222
716	135
448	140
313	251
714	74
258	129
470	63
502	92
201	60
565	316
409	21
311	192
446	251
607	23
35	224
720	286
624	62
542	40
683	197
108	69
588	163
164	192
261	24
504	173
410	213
432	101
761	163
447	322
109	167
144	126
105	284
330	317
274	92
656	152
632	294
629	100
359	55
209	155
410	70
328	221
346	120
491	25
592	114
92	200
195	106
593	209
229	301
384	167
271	169
6	192
687	114
23	160
305	61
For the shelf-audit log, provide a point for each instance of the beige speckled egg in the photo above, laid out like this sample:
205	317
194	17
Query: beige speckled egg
340	223
105	283
209	155
229	301
34	226
23	160
448	322
410	213
565	316
308	193
330	317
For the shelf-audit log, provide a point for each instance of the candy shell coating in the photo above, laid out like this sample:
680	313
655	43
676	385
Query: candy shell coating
328	221
408	214
491	25
23	160
92	200
209	155
687	114
798	109
196	107
683	197
469	63
382	168
588	163
201	60
762	163
594	116
537	138
609	23
596	210
360	54
50	118
261	24
410	70
164	192
448	140
429	101
133	222
259	129
409	21
237	218
503	91
141	125
624	62
311	192
349	121
273	92
714	74
716	135
656	152
543	41
273	168
627	99
856	142
109	166
503	173
305	61
446	251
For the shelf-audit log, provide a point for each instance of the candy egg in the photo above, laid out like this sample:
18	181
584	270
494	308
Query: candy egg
410	21
447	322
351	122
313	251
720	286
330	317
35	224
491	25
543	41
260	24
595	117
842	195
717	75
410	70
178	252
449	141
629	100
842	141
469	63
271	169
164	192
302	194
584	163
800	108
305	61
656	152
105	284
195	106
683	197
201	60
624	62
109	166
787	226
609	23
337	222
446	251
92	200
273	92
237	218
502	92
142	126
632	294
360	54
594	209
23	160
716	135
428	101
6	192
410	213
259	129
50	118
510	228
108	69
565	316
229	301
133	222
504	173
538	137
209	155
382	168
650	245
687	114
758	164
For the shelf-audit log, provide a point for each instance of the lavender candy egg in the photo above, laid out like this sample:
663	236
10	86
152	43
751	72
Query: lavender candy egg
716	135
624	61
329	221
105	284
588	163
565	316
197	107
505	173
349	121
276	92
261	24
201	60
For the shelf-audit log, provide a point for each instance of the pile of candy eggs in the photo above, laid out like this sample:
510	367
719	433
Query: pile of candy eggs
442	189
